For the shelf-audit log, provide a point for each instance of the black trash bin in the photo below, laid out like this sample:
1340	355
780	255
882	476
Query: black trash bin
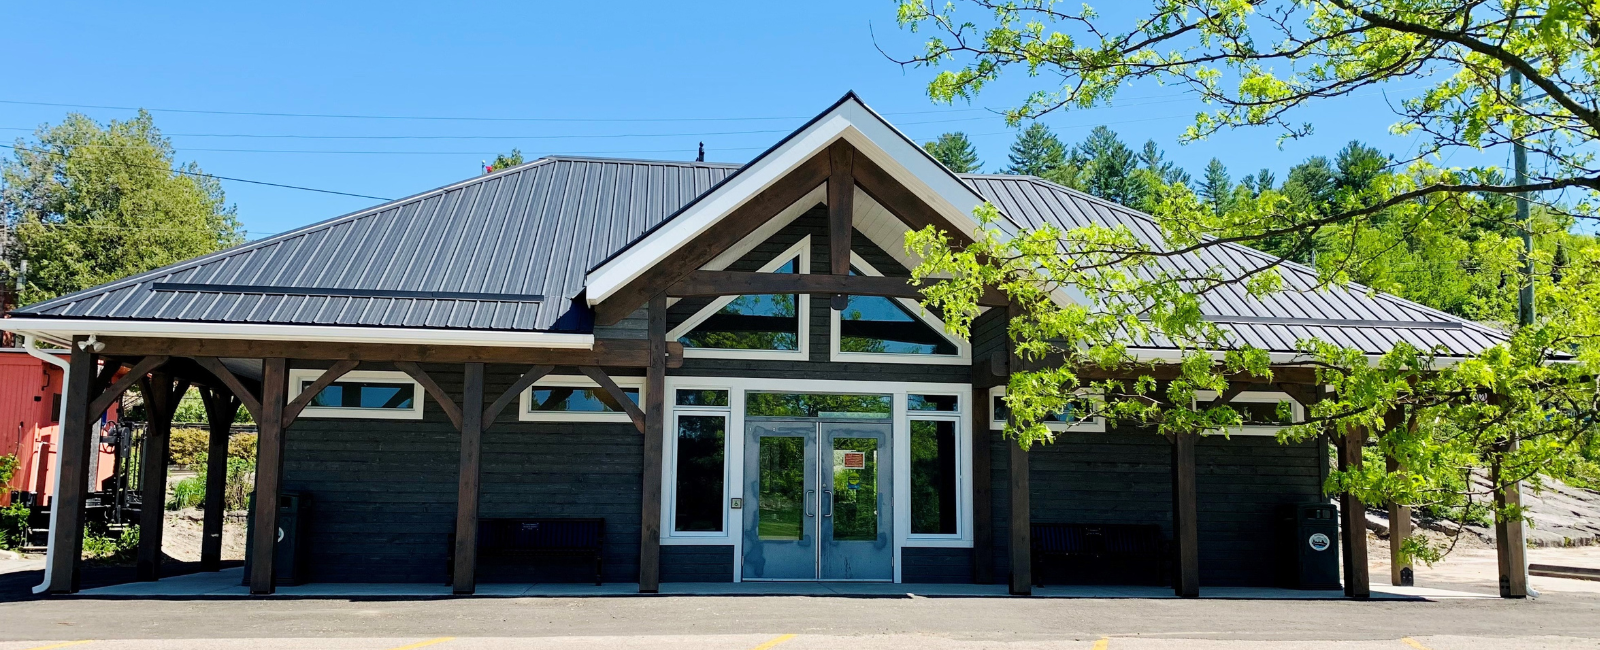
1309	544
289	563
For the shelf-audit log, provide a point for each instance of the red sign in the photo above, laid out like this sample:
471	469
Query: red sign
855	460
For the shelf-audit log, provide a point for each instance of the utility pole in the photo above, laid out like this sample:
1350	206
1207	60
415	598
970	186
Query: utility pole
1519	162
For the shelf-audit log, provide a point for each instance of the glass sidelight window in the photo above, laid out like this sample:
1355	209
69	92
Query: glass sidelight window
700	473
933	477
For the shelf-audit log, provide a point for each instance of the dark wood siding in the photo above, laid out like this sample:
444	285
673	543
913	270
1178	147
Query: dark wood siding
384	491
697	564
935	565
1125	477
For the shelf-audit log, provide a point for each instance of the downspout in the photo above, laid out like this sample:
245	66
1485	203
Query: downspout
28	344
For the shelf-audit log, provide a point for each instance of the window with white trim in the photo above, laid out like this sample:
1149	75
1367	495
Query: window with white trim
936	453
698	457
1072	419
574	398
1260	411
891	330
383	395
753	326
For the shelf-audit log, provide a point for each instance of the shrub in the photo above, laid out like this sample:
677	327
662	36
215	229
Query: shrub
189	492
8	467
101	545
13	526
188	446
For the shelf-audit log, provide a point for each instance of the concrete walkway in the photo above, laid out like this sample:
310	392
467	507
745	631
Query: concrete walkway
226	583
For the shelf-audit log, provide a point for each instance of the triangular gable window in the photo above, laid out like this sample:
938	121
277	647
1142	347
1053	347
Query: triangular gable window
754	324
889	329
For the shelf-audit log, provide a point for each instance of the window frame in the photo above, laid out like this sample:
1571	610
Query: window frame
1096	424
1256	397
963	445
800	250
963	355
525	412
300	376
670	529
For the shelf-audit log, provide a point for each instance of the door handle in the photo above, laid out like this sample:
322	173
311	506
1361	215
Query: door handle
810	502
827	498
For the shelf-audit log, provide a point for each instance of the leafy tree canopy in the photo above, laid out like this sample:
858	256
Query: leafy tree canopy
87	204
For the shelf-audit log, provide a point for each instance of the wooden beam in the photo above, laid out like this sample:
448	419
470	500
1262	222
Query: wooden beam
841	212
161	396
1510	547
655	388
511	394
608	352
115	390
1400	572
222	407
74	444
611	390
1185	516
900	201
704	284
466	551
1020	537
1353	520
982	493
719	237
269	474
439	395
247	398
302	400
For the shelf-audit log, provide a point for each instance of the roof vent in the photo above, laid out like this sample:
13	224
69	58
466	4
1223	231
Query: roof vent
701	157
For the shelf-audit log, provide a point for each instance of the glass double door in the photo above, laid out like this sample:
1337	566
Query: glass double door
817	501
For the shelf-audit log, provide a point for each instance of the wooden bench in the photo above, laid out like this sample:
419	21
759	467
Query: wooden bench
1131	548
520	538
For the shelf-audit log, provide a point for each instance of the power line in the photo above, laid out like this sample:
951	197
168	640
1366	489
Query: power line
223	178
478	152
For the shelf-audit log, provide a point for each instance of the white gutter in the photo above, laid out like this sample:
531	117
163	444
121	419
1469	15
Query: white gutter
61	420
66	328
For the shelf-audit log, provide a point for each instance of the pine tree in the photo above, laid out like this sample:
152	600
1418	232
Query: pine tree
1259	182
955	151
1216	187
1109	168
1036	152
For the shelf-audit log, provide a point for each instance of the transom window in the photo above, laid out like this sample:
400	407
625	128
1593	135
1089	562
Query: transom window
1260	410
890	330
578	399
360	394
1076	417
818	405
753	325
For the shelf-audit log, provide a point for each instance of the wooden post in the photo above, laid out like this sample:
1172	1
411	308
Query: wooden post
1021	533
161	398
221	409
982	497
466	566
269	473
1400	573
1353	513
841	206
655	413
74	444
1510	548
1185	517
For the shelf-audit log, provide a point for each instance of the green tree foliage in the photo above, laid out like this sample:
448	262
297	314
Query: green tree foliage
1108	168
955	151
1216	187
504	161
1473	77
1036	152
87	204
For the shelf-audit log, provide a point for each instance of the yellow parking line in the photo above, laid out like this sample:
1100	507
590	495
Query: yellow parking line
59	645
429	642
768	644
1103	643
1413	643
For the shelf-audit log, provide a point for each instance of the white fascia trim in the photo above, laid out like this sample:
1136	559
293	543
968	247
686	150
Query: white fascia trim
852	121
66	328
962	357
1276	358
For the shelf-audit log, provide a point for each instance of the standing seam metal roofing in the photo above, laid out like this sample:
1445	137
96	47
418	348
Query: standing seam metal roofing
537	228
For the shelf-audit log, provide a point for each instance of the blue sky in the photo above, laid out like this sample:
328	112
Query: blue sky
642	80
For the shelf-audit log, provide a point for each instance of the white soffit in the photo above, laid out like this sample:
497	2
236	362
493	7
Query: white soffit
850	120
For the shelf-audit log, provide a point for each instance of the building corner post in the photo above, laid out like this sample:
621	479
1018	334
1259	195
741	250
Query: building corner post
269	474
1185	516
75	444
1510	545
655	415
1353	520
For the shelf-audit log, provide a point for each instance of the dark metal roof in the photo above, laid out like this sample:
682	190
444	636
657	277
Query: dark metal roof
505	251
510	250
